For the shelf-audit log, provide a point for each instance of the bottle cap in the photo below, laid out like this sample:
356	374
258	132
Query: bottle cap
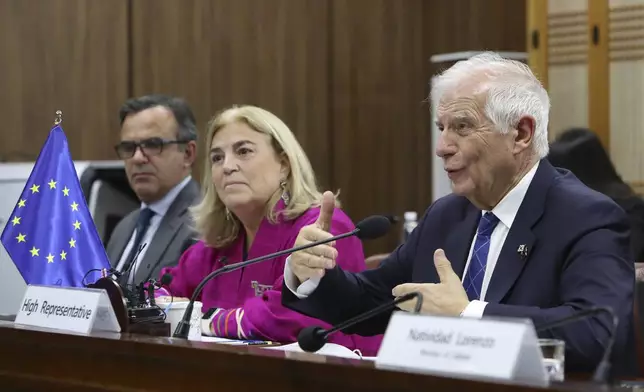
411	216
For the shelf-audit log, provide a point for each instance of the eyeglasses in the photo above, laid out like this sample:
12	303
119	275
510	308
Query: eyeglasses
149	147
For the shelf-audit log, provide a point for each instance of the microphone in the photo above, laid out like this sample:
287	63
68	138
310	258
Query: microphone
313	338
151	287
603	368
370	228
110	272
166	279
129	291
134	260
393	218
114	272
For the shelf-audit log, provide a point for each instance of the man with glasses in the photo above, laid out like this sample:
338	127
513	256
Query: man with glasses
158	146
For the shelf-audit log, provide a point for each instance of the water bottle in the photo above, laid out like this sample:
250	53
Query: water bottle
410	222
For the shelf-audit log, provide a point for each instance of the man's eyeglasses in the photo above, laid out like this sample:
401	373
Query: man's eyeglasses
149	147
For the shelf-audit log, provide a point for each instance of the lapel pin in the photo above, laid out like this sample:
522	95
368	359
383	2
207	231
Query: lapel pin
522	250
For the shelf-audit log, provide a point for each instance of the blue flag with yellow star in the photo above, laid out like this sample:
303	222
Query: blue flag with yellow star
50	235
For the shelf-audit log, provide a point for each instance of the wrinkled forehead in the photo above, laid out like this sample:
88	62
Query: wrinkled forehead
465	91
452	106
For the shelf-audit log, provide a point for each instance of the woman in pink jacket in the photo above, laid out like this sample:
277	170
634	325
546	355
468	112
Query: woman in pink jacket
259	191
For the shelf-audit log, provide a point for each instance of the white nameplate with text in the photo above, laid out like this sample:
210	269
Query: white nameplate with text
71	309
463	347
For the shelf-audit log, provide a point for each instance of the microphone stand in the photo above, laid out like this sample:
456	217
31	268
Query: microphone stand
378	309
311	339
183	328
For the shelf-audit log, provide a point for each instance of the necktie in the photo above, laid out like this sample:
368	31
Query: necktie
142	225
474	279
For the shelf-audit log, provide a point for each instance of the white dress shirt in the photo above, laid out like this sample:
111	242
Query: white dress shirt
160	208
506	210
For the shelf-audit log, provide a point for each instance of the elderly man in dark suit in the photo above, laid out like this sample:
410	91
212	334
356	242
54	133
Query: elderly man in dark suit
158	145
517	238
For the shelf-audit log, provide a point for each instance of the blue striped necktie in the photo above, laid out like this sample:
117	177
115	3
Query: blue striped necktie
473	281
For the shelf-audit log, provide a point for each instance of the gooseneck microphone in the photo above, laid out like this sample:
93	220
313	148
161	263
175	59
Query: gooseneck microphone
114	272
166	279
603	368
370	228
129	268
311	339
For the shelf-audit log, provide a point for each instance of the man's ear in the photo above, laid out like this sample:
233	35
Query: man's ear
525	133
190	153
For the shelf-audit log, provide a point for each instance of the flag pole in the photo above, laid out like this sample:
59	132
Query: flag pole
59	117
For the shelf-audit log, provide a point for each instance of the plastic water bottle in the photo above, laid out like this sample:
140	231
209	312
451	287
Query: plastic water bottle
410	222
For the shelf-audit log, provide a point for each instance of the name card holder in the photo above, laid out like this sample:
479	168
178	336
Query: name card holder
493	349
81	310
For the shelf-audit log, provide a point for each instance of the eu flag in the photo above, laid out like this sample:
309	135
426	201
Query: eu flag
50	235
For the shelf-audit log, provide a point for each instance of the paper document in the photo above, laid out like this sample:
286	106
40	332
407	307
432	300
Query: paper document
234	342
330	349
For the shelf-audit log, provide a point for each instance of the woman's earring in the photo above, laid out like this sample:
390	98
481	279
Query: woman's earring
286	197
228	215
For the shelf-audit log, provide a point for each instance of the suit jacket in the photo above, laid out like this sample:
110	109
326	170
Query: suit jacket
579	256
173	237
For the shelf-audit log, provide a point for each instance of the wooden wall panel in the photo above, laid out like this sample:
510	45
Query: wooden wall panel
216	53
350	77
382	150
381	71
61	54
464	25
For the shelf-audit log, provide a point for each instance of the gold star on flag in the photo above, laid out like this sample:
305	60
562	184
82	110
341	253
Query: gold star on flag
34	188
52	184
72	243
77	225
15	220
34	251
63	255
21	203
21	237
66	191
50	258
74	206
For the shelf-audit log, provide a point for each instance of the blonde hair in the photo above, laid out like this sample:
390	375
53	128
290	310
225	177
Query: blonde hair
216	226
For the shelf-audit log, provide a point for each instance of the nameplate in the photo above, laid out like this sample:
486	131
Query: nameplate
463	347
81	310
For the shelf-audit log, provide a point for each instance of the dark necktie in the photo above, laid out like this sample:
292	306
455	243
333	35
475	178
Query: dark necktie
473	281
142	225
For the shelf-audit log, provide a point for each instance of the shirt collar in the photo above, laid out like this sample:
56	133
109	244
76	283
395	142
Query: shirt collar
506	210
161	206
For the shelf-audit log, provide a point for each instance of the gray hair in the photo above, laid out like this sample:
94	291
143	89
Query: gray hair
511	90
